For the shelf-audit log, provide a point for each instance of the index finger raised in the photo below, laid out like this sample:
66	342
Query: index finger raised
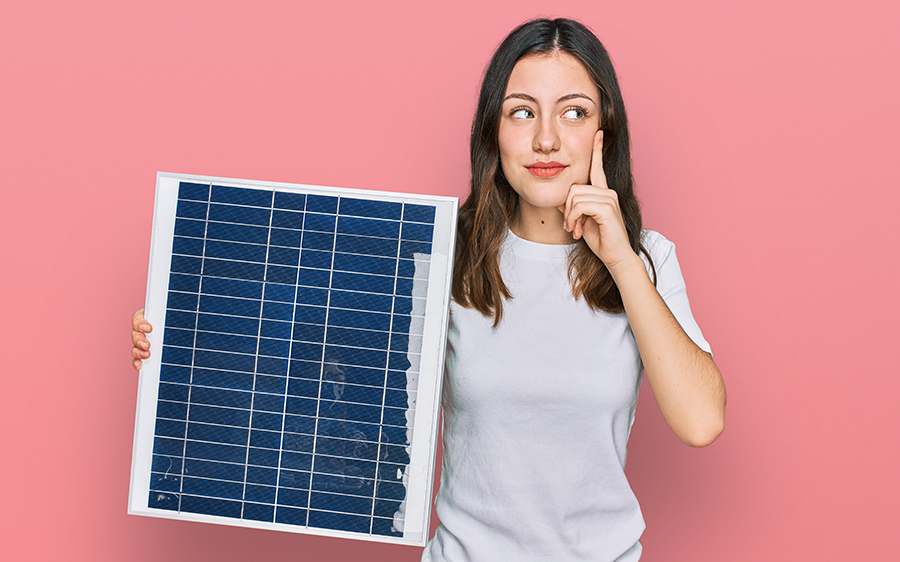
598	176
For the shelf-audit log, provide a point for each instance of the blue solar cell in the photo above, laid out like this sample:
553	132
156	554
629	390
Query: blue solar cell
279	293
177	355
217	433
234	251
284	237
186	264
191	210
284	256
224	342
257	456
357	338
362	282
265	439
296	461
231	288
237	233
182	301
291	497
366	245
272	365
187	246
174	392
268	402
368	227
184	283
359	319
170	428
171	410
258	512
241	196
190	228
367	302
262	494
217	470
303	387
293	201
364	264
321	204
414	250
318	241
273	347
178	337
221	397
315	259
175	373
290	516
315	222
219	415
195	191
238	215
281	274
268	421
369	208
234	269
262	475
297	442
287	219
418	213
344	522
277	311
211	506
314	277
420	232
214	451
167	465
271	384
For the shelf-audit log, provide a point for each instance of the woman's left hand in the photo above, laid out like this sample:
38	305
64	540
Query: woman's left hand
592	212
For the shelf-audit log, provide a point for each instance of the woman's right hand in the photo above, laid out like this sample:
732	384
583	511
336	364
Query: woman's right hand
141	349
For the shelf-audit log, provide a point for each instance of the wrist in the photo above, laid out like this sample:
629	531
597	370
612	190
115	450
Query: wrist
628	270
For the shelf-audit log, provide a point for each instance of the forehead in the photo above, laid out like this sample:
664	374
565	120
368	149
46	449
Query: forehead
550	75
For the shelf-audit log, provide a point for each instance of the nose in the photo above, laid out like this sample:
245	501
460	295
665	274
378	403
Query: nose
546	137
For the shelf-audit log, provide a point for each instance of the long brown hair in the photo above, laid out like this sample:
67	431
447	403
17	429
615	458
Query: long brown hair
492	203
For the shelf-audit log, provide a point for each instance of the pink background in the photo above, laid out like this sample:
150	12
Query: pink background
764	146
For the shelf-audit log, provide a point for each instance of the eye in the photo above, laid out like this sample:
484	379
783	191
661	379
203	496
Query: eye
521	113
575	113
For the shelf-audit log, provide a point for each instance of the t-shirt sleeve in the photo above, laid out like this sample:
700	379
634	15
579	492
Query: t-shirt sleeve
670	284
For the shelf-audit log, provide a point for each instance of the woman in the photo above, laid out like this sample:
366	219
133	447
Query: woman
559	300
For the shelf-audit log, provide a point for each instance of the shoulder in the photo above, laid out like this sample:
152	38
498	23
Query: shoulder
656	245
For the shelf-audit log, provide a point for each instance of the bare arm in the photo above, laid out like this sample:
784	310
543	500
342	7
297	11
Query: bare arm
685	380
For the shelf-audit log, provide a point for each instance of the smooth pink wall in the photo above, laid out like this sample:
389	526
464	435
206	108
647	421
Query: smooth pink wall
765	146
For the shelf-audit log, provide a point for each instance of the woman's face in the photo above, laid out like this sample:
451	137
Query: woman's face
550	114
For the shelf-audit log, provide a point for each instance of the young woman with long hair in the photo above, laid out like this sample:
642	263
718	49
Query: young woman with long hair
560	300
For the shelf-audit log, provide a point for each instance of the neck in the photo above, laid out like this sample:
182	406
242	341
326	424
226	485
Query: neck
541	225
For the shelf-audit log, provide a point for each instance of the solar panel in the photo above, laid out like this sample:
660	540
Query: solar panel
298	342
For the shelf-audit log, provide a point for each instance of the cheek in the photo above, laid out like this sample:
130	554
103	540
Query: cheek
582	151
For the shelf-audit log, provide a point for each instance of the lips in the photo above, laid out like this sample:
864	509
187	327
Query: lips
546	169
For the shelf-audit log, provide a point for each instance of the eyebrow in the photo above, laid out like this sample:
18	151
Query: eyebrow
567	97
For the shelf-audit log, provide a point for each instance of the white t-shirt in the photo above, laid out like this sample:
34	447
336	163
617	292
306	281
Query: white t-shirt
536	415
